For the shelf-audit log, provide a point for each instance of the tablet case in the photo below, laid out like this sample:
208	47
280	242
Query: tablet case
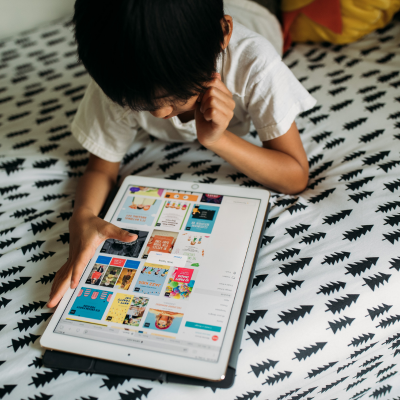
68	361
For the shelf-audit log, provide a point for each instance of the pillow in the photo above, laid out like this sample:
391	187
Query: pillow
335	21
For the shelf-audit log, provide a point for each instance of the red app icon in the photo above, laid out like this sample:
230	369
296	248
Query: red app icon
215	338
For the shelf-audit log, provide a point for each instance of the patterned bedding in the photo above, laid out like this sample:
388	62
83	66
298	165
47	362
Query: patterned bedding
324	316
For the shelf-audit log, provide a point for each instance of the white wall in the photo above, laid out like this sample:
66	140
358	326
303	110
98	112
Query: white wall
20	15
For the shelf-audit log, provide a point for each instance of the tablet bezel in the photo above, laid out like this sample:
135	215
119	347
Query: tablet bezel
148	358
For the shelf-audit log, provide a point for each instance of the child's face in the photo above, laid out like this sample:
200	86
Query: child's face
175	108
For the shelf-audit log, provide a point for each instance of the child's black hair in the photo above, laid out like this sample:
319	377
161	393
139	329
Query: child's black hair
143	51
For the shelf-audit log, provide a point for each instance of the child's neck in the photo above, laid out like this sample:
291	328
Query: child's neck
186	116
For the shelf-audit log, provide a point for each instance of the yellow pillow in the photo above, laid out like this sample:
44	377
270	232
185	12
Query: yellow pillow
359	17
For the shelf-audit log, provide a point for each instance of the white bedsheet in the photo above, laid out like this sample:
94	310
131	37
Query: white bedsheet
324	314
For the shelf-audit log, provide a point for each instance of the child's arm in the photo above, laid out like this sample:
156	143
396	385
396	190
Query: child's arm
281	164
87	230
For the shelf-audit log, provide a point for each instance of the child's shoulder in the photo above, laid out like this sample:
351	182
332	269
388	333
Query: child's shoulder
258	19
249	57
255	41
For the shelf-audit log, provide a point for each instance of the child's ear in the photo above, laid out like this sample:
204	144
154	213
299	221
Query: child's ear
227	28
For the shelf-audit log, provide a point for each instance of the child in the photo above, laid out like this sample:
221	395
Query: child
181	70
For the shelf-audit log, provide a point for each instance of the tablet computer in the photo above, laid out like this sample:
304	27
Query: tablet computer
171	299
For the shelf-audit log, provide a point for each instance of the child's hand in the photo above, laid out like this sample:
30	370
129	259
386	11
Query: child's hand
214	110
87	232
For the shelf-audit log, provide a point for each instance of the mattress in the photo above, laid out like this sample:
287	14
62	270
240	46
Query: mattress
324	315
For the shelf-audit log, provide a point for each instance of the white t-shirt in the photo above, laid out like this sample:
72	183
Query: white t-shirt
264	89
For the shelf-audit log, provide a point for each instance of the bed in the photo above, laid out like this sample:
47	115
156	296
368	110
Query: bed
324	315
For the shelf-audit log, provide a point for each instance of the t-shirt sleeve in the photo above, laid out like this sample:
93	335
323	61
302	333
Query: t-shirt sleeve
275	100
100	126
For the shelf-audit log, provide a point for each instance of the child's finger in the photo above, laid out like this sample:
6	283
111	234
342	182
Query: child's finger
216	95
79	264
60	285
217	82
56	297
216	104
113	232
200	98
217	75
219	115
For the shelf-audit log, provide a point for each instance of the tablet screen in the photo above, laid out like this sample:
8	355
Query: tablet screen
171	290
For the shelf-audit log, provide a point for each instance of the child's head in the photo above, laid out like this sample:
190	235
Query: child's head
151	55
